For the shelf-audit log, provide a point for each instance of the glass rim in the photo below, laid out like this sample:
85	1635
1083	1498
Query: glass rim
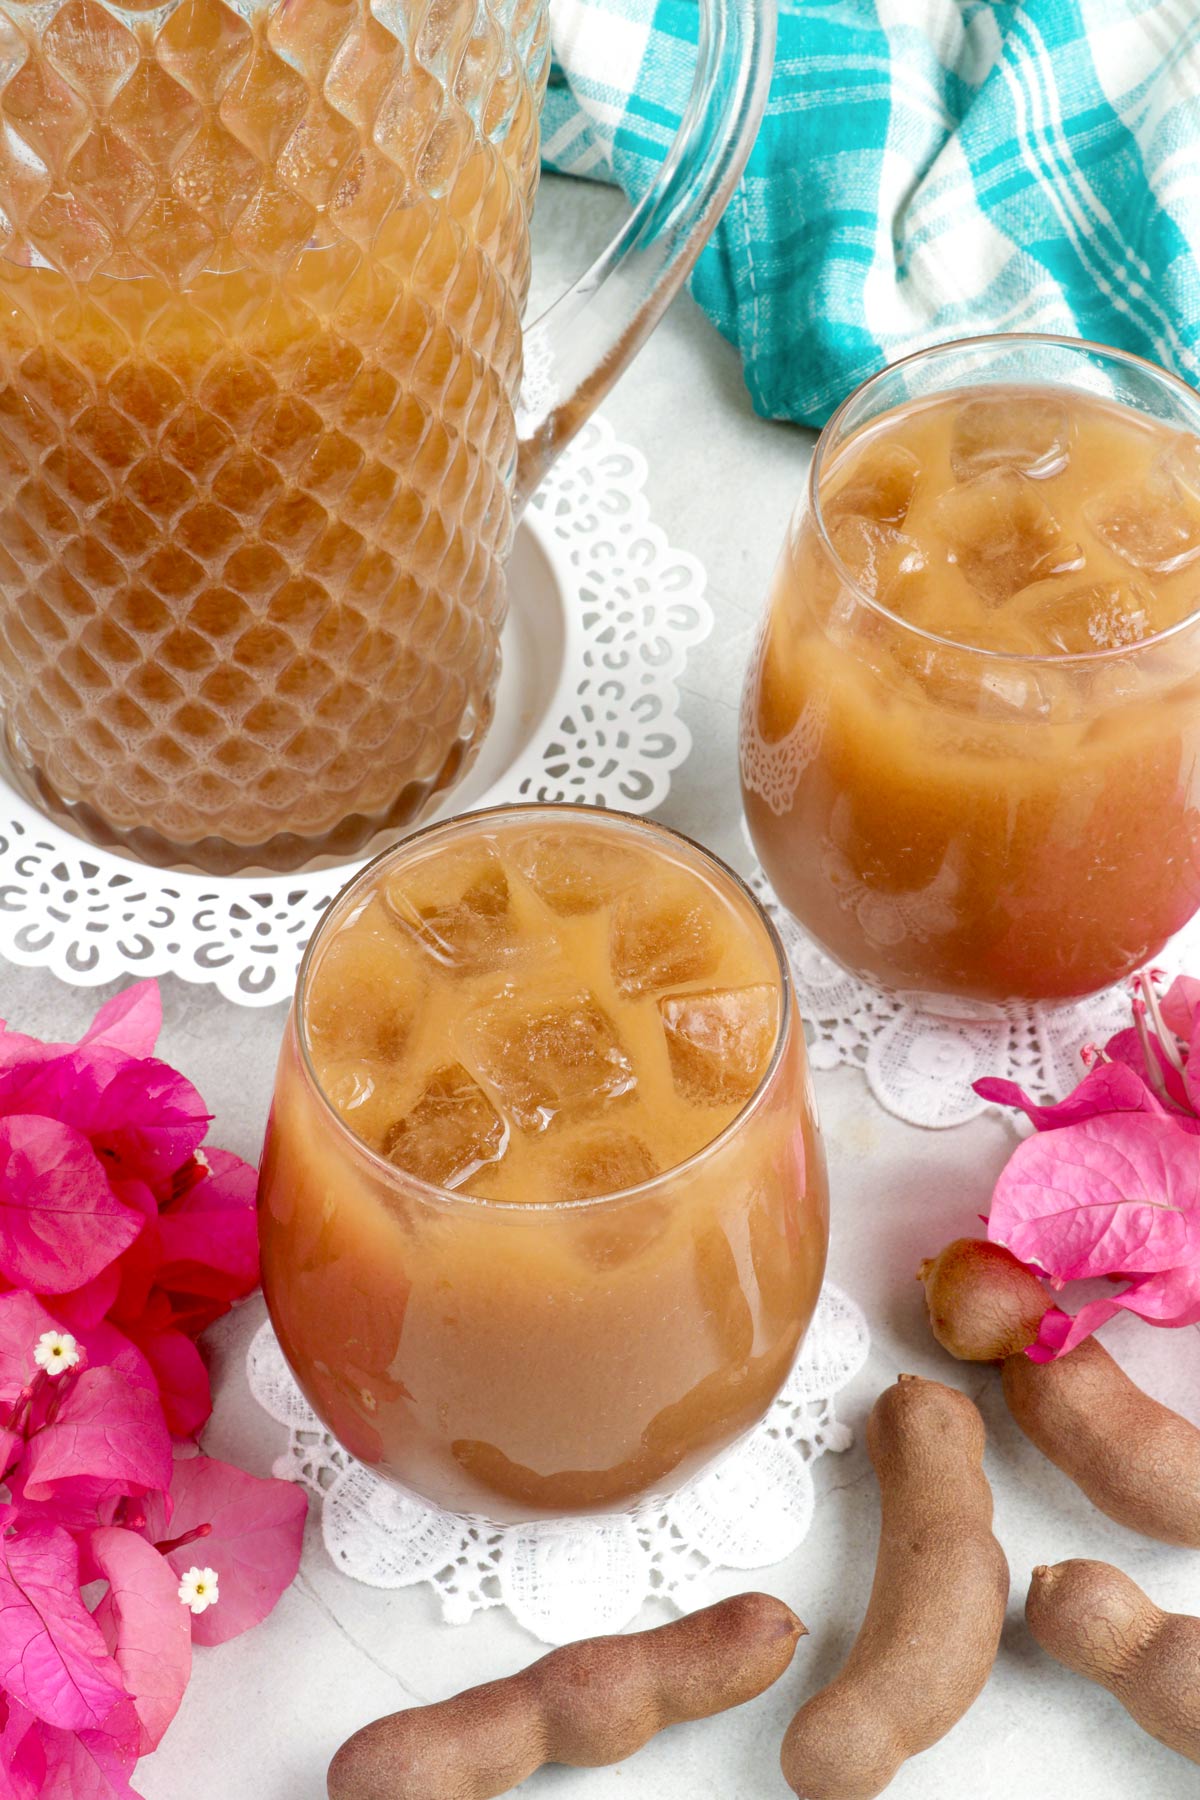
450	1198
930	353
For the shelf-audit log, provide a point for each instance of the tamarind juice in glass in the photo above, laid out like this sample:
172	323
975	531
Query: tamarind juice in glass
542	1204
971	724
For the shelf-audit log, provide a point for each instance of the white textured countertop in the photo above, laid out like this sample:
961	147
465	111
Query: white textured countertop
264	1714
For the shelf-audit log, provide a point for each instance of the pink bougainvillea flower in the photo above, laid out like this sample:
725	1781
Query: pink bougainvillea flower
120	1240
1129	1048
1117	1192
106	1440
130	1021
1171	1297
208	1234
92	1765
22	1759
60	1221
146	1629
22	1322
254	1544
53	1658
109	1210
1108	1087
182	1381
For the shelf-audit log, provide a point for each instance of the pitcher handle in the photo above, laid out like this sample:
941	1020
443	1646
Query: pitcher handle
593	330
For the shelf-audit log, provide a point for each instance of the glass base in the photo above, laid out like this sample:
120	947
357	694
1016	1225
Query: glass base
357	835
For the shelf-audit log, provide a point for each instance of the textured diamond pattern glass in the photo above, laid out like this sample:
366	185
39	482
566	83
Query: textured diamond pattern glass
261	274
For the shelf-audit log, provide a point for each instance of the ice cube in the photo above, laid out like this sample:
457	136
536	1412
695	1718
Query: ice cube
619	1234
1181	463
1073	618
363	994
573	871
1154	525
662	938
542	1059
451	1133
1000	532
600	1161
456	907
719	1042
880	486
873	554
1028	433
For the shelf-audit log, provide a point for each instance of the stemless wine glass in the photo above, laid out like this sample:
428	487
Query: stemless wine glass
1005	810
522	1356
262	268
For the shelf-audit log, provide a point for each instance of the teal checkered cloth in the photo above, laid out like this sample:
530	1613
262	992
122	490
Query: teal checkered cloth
927	169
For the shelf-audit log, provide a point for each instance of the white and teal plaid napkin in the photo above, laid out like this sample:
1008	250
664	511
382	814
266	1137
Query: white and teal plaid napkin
927	169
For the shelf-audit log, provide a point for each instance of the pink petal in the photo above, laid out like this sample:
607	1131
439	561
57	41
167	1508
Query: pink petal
209	1236
130	1021
60	1222
108	1439
255	1544
91	1765
1170	1298
1112	1195
53	1658
22	1759
146	1628
22	1322
1106	1088
85	1306
183	1385
139	1265
1180	1006
105	1347
1126	1047
140	1113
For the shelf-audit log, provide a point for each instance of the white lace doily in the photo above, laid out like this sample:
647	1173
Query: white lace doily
572	1578
603	614
920	1064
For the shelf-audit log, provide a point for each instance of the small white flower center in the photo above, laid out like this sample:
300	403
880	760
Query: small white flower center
56	1351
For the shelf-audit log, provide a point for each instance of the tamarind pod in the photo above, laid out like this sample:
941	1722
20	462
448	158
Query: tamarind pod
932	1624
983	1304
1096	1621
585	1704
1134	1458
932	1627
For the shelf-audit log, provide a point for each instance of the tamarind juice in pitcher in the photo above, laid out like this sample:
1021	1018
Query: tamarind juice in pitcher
971	727
542	1204
262	271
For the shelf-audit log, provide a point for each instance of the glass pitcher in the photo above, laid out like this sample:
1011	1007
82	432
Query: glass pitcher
262	269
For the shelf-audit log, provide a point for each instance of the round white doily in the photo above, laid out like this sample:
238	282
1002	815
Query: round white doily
920	1064
572	1578
603	614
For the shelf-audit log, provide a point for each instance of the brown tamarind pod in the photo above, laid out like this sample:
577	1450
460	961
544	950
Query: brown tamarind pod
1095	1620
585	1704
1134	1458
932	1626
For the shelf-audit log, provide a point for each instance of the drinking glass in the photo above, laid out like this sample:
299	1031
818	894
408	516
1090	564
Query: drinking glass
980	820
262	268
556	1354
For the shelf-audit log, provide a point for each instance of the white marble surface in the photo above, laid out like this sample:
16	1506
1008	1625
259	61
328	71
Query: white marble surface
263	1715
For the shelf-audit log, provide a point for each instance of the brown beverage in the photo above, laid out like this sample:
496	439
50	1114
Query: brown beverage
260	344
542	1205
971	726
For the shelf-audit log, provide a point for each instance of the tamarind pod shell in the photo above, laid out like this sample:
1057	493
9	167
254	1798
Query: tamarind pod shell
1134	1458
983	1304
932	1626
585	1704
1094	1620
